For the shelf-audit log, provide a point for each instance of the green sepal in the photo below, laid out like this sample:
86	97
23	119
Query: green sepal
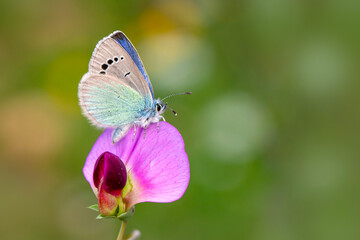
102	216
94	207
127	188
127	215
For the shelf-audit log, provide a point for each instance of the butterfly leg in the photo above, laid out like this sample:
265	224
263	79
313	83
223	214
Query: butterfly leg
134	132
147	122
158	123
144	131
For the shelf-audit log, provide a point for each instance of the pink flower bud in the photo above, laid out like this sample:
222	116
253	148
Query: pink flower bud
109	178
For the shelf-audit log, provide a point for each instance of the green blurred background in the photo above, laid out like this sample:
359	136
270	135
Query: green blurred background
271	130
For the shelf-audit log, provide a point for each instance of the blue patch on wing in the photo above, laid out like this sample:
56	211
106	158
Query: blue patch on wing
129	48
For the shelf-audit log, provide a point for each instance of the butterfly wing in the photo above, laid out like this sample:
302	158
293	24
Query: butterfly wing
121	38
116	56
120	132
109	101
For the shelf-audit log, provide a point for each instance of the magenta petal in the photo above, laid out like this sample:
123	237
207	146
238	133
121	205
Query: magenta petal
157	165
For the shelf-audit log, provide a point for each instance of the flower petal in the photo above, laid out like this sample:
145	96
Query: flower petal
157	164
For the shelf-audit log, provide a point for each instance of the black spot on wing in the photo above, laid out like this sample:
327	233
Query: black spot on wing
127	74
110	61
104	66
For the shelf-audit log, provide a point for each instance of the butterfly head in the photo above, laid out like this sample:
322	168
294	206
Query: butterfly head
160	107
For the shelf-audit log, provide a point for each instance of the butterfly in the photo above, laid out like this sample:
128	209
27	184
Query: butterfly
116	92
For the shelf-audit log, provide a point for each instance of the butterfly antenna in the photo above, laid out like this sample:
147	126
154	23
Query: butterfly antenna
175	113
175	94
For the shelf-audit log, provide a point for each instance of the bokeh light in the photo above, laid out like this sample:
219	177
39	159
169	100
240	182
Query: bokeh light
175	59
320	69
32	129
235	127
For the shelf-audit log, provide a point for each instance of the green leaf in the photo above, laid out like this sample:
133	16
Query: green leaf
94	207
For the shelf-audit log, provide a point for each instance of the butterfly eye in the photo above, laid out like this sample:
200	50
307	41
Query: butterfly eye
158	107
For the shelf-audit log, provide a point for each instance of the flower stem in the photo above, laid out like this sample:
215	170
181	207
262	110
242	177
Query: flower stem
122	230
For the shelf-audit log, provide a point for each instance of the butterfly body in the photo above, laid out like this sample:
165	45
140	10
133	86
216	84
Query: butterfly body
116	92
152	115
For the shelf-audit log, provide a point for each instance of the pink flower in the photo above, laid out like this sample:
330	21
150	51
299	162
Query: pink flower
137	169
